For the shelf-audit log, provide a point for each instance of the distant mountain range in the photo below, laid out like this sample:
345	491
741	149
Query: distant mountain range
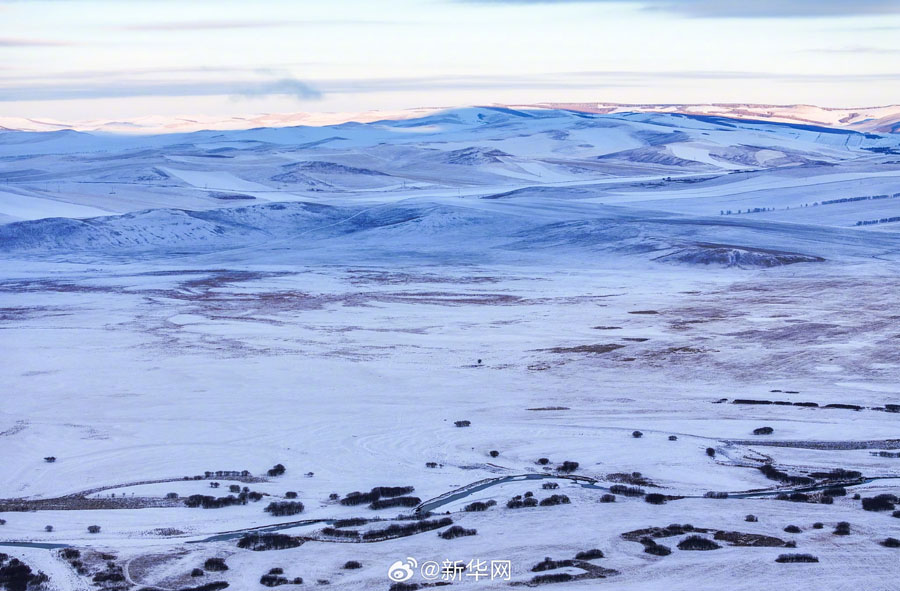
885	119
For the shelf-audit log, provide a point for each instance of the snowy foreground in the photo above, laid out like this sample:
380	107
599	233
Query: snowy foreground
465	303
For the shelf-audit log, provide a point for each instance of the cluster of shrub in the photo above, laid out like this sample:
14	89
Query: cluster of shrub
799	497
209	502
518	501
776	402
376	494
275	577
697	543
15	575
479	506
112	574
655	499
567	467
282	508
457	531
215	565
626	491
883	502
395	502
398	531
796	558
549	564
73	557
635	478
216	586
267	541
224	474
341	533
651	547
878	221
773	473
276	470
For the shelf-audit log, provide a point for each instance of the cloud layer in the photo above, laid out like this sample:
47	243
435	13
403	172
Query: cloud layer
740	8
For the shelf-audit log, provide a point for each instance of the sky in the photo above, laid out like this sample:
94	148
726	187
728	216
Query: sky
106	59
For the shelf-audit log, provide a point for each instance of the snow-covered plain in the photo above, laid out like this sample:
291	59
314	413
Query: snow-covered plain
335	298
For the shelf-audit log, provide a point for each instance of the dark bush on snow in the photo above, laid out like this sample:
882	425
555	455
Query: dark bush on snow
352	565
773	473
567	467
276	571
109	576
751	518
457	531
697	543
796	558
890	543
826	500
895	514
208	502
543	461
276	470
395	502
70	553
673	438
549	486
842	529
273	581
818	525
651	547
340	533
15	575
493	453
763	431
628	491
792	529
551	578
550	564
259	542
215	564
835	491
391	491
517	502
607	498
462	423
282	508
711	452
216	586
715	495
879	503
837	474
479	506
658	550
379	492
397	531
655	499
290	495
553	500
404	587
93	529
50	459
589	554
637	434
197	572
